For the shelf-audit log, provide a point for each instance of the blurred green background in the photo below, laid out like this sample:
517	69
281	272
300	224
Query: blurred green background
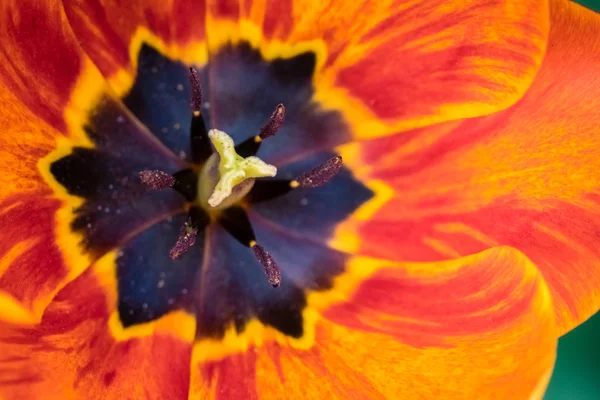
577	372
593	4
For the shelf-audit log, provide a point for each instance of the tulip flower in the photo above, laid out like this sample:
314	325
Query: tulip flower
295	199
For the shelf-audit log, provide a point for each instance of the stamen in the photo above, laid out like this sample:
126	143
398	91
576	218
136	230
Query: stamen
267	190
274	123
319	176
186	239
199	142
236	222
156	179
196	91
268	263
271	189
186	183
183	181
250	146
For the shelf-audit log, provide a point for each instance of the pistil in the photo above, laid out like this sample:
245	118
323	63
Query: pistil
227	177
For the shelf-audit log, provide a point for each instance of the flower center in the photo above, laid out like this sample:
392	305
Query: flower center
217	270
227	176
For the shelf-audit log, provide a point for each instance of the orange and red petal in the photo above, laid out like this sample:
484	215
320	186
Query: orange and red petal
40	58
112	32
477	327
40	62
77	353
31	267
43	105
391	65
526	177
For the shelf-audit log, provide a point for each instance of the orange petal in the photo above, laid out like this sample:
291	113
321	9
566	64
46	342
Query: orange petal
391	65
527	177
73	354
112	33
479	327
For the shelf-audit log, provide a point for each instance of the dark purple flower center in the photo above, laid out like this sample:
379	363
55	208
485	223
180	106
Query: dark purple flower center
219	275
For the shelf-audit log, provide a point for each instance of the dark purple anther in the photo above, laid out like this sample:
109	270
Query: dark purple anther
320	175
186	239
157	180
274	123
269	265
196	90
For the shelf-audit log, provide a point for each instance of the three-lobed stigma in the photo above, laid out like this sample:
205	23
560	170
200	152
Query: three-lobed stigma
232	169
